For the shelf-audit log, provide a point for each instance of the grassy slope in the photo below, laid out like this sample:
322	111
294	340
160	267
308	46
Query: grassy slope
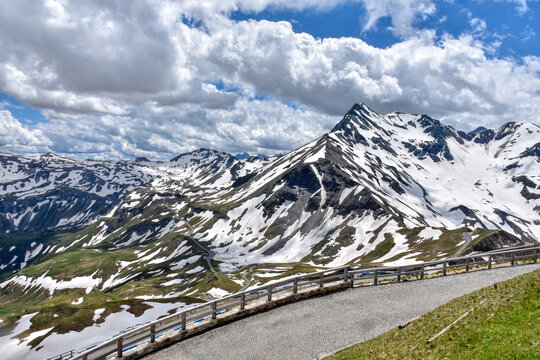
75	262
505	326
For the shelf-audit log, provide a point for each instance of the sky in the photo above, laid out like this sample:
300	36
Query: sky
113	79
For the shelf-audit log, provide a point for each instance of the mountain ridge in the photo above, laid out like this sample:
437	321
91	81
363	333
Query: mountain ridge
378	189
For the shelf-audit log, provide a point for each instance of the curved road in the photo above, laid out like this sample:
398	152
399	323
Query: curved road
313	327
466	236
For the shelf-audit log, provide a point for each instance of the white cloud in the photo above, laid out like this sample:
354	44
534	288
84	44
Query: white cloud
478	25
522	6
527	34
445	77
402	12
166	131
15	137
122	79
6	104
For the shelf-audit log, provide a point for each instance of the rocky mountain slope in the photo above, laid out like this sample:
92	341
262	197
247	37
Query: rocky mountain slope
394	179
90	238
40	197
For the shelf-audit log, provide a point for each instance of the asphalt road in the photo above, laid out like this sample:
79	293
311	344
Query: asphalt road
313	327
467	238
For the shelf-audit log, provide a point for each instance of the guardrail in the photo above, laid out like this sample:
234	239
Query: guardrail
204	316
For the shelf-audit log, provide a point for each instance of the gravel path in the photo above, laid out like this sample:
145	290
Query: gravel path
310	328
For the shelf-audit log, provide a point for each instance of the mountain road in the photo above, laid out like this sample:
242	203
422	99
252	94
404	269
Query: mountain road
311	328
466	236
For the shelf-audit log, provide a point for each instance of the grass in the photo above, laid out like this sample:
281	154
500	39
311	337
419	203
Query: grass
505	326
22	245
482	234
59	312
380	250
447	243
215	280
292	269
79	263
16	300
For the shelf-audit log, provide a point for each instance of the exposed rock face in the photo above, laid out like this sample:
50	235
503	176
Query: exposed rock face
377	189
51	193
392	171
496	240
330	201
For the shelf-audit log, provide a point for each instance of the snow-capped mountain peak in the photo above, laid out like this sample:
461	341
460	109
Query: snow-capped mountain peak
378	189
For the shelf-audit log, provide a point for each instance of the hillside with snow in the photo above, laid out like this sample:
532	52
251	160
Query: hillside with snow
97	240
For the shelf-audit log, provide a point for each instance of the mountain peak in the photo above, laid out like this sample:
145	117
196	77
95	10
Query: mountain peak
242	156
358	114
142	159
361	107
201	153
506	129
477	130
49	154
52	156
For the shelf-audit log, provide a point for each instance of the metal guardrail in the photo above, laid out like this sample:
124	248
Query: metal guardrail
205	313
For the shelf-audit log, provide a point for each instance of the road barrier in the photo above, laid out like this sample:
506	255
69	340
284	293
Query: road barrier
172	328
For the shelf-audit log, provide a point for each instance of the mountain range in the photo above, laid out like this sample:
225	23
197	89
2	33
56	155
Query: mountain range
82	236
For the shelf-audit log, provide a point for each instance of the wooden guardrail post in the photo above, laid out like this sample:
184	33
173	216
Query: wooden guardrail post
243	301
119	350
422	272
444	268
535	256
489	261
375	280
184	322
269	293
153	333
399	274
513	258
214	310
295	285
345	274
321	280
85	357
467	264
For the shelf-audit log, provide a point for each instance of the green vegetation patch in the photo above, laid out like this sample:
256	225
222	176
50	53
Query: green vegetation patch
504	326
282	270
216	280
380	250
345	238
481	234
80	263
446	245
22	242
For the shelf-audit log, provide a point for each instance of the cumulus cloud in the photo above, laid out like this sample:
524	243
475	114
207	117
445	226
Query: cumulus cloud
15	137
402	12
443	77
153	78
163	132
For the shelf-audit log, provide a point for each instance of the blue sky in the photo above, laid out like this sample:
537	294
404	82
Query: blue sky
151	79
504	21
24	113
